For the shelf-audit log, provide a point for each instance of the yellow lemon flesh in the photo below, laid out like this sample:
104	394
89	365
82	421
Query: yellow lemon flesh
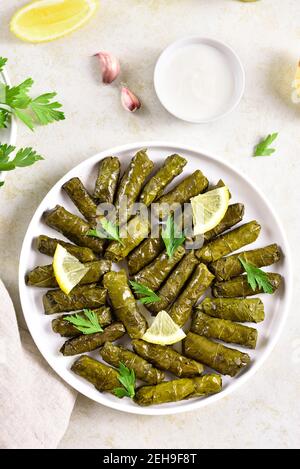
163	331
46	20
297	80
68	270
209	209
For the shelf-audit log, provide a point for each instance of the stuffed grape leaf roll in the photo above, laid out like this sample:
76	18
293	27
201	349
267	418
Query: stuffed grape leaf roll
43	276
234	309
124	304
83	296
171	168
48	246
225	330
103	377
223	359
228	242
239	286
89	342
107	180
228	267
144	254
166	358
232	217
73	228
81	199
114	354
66	329
198	284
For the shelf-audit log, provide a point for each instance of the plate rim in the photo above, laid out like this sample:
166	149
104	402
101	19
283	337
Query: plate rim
191	405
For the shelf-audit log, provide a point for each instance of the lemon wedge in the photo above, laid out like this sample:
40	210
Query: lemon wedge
209	209
46	20
163	331
68	270
297	79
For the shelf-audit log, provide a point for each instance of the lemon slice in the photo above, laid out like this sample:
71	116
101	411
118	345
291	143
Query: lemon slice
209	209
45	20
68	270
297	80
163	331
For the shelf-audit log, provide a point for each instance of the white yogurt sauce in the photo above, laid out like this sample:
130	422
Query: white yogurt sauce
197	82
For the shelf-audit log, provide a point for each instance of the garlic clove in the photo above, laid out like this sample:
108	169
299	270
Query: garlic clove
129	100
110	66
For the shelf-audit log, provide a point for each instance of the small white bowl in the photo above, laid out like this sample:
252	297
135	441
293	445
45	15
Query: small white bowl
234	63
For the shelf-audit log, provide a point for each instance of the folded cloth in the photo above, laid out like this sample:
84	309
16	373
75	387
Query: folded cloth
35	404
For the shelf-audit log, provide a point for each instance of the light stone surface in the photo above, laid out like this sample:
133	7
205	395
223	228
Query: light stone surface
266	35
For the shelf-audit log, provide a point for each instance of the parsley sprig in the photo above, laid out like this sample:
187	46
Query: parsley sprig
256	277
148	295
263	148
24	157
126	377
171	236
108	231
15	100
88	324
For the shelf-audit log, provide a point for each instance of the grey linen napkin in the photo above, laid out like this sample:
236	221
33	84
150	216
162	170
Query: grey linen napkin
35	404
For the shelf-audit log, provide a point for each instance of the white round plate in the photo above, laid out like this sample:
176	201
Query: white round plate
8	135
242	190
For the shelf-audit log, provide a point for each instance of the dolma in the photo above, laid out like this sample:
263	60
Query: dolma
103	377
153	275
228	242
239	286
179	389
81	199
183	192
73	228
114	354
48	245
206	385
124	304
107	180
166	358
223	359
182	308
225	330
133	179
234	309
67	329
175	283
85	296
89	342
137	230
171	168
43	276
232	217
228	267
145	253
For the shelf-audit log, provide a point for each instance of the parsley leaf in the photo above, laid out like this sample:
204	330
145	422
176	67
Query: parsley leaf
263	148
256	277
171	237
16	100
24	157
126	377
148	295
2	63
88	324
109	231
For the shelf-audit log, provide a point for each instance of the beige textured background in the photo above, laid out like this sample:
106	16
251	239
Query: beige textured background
266	35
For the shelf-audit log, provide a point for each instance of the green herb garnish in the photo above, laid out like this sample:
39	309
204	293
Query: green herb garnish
24	157
15	100
88	324
109	231
171	236
256	277
126	377
148	295
263	148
